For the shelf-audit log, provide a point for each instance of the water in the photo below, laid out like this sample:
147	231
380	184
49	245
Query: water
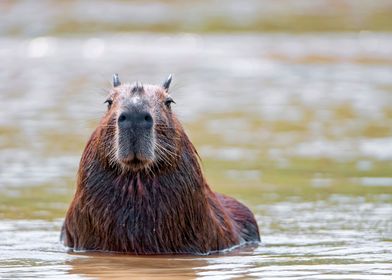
298	127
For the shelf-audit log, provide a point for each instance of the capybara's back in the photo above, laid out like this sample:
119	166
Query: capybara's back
140	188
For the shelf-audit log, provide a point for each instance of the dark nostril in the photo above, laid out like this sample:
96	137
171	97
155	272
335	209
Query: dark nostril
122	118
148	118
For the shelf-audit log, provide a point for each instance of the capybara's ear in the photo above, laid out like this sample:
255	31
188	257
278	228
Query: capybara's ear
166	84
116	80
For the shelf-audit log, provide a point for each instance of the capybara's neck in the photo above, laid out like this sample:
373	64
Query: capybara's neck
173	211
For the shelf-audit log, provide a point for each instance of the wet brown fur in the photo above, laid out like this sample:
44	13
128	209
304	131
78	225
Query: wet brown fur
165	208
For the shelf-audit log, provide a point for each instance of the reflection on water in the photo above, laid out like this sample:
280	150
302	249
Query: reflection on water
80	17
296	126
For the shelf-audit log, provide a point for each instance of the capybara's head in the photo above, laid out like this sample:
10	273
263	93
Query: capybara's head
139	129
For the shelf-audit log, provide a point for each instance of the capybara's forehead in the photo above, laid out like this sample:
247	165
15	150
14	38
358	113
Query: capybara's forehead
146	90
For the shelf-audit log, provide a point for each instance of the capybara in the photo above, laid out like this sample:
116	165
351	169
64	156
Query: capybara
140	188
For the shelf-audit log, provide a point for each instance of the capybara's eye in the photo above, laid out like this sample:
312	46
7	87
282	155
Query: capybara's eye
109	102
169	101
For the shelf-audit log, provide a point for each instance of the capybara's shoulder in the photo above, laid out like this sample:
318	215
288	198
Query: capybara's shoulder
242	216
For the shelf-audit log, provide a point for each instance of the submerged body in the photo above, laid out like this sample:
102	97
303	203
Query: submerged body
140	188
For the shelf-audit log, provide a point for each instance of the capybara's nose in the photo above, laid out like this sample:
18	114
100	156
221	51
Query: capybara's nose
135	119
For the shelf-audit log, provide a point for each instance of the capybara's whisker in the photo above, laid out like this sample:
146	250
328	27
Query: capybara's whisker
162	155
165	150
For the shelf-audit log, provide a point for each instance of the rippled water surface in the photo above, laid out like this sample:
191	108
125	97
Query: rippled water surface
298	127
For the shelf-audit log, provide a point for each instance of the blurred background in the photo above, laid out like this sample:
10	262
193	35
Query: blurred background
288	102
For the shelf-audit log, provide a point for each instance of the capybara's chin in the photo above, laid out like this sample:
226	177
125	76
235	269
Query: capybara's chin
135	160
135	163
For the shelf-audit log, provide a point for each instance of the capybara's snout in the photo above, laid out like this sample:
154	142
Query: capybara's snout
135	119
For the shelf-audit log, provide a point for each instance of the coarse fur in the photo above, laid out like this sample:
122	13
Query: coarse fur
157	204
